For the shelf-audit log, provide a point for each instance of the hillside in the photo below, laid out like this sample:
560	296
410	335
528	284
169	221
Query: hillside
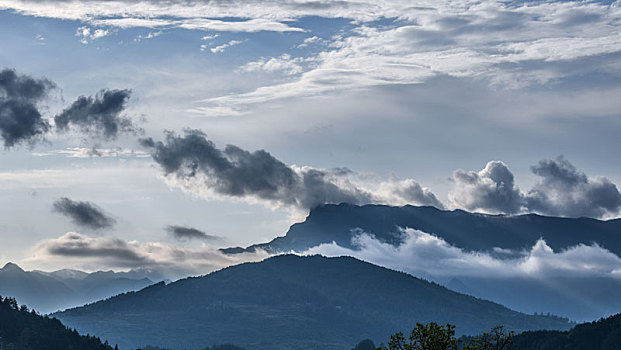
52	291
604	334
21	329
470	231
289	302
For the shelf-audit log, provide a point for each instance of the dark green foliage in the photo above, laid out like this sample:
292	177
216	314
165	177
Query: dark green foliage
366	344
604	334
21	329
290	302
214	347
431	336
496	339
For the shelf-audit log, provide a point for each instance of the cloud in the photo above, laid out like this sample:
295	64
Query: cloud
408	191
490	190
85	152
423	254
507	45
85	214
563	190
99	116
195	164
75	249
283	64
224	46
183	232
20	119
86	33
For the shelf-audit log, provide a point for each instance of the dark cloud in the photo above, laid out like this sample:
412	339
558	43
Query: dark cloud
20	119
75	245
492	190
99	116
84	214
563	190
235	172
183	232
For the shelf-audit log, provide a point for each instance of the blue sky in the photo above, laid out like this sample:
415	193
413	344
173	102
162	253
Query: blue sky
401	93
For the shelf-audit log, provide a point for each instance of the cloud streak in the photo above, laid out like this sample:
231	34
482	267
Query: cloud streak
184	232
194	163
84	214
20	119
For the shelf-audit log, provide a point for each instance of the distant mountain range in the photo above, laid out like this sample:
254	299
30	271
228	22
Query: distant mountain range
52	291
581	298
290	302
470	231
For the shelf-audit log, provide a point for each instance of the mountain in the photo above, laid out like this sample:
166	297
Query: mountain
52	291
579	297
24	329
604	334
289	302
470	231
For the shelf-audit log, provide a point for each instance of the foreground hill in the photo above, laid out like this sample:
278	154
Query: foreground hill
470	231
604	334
290	302
21	329
52	291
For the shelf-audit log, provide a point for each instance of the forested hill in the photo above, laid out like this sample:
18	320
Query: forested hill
290	302
22	329
604	334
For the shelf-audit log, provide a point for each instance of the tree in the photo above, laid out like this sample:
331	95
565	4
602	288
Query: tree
496	339
431	336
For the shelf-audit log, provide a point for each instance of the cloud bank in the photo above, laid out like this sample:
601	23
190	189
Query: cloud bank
84	214
562	191
194	163
20	118
111	252
423	254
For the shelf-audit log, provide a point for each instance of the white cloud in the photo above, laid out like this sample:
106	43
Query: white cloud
423	254
283	64
86	33
221	48
509	46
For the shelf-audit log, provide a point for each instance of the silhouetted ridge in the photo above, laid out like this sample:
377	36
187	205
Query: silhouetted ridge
471	231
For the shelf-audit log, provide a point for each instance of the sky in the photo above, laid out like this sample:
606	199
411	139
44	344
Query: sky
135	133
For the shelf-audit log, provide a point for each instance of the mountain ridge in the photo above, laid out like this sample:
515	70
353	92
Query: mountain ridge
289	302
471	231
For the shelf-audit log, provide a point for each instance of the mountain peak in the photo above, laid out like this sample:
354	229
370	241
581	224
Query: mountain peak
11	267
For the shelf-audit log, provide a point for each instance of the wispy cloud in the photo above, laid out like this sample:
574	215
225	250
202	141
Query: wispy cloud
221	48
